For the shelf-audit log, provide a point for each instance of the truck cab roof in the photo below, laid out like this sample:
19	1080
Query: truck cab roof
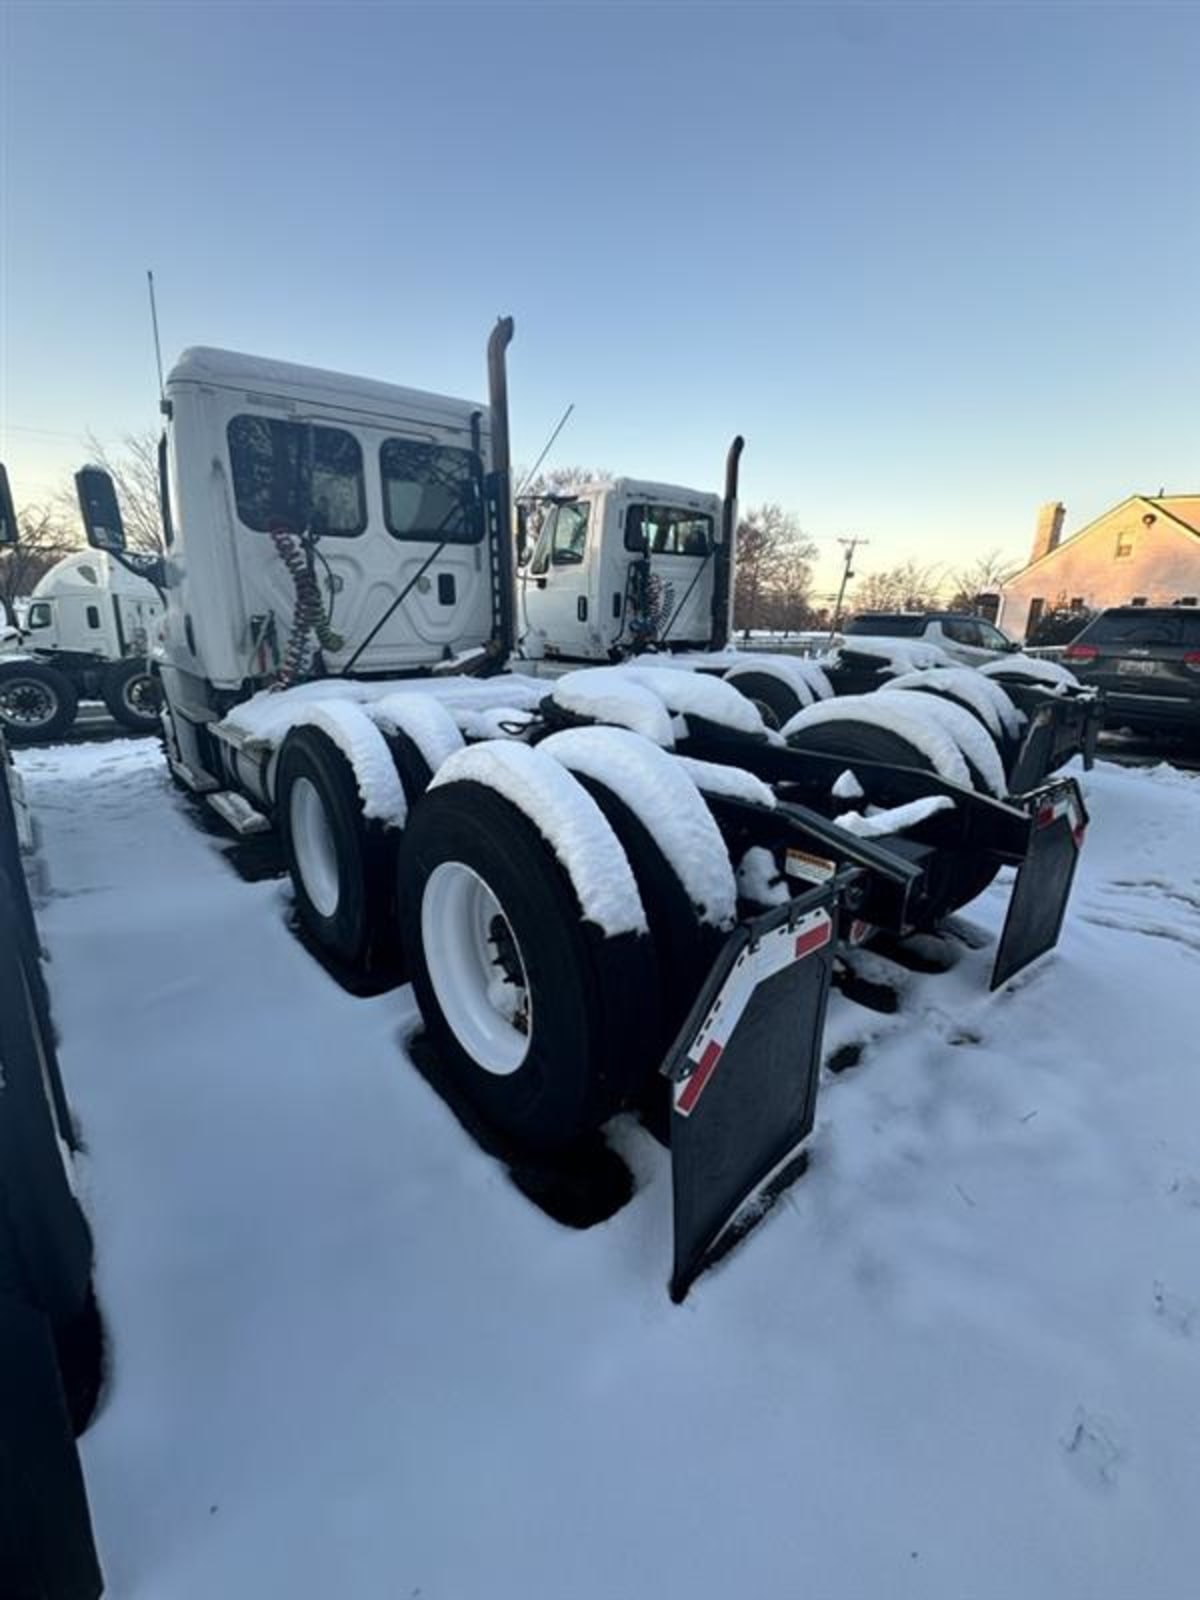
206	366
671	494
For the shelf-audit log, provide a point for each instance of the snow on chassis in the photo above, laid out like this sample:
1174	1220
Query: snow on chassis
625	892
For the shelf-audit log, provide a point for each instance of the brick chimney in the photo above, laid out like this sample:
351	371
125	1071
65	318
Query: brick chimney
1050	521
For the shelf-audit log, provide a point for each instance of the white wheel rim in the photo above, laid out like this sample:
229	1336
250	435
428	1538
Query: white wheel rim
476	968
313	846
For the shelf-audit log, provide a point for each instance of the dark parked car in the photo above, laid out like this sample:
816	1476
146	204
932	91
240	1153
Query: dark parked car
1147	661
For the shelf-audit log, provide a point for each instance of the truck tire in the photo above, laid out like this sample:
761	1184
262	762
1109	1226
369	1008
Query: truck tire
131	693
862	741
684	945
777	701
1007	745
37	702
637	797
341	864
542	1024
955	877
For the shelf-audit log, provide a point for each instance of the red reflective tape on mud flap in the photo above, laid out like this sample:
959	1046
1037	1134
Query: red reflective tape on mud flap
693	1087
1062	805
771	955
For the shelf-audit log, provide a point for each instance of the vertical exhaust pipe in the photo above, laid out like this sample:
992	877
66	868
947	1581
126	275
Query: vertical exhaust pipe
722	600
502	555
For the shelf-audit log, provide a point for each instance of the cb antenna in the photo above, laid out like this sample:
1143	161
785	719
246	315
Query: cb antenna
532	473
162	393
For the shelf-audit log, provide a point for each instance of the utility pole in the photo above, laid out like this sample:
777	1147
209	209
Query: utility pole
850	546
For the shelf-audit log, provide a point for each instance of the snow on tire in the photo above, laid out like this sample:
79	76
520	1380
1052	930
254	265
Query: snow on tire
780	686
679	859
979	749
875	728
543	1022
340	861
776	699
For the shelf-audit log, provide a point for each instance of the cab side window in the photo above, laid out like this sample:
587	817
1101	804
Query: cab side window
298	475
431	493
667	531
570	535
563	539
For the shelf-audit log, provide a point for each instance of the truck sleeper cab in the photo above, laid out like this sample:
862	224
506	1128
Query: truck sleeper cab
390	499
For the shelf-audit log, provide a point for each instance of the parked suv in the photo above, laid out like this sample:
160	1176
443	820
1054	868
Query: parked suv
1147	661
966	638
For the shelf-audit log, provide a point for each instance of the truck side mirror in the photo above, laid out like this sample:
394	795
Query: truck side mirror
8	517
523	550
99	508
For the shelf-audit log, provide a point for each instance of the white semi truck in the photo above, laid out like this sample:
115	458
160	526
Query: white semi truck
612	880
86	634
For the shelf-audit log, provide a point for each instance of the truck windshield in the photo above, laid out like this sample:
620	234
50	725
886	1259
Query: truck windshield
431	492
890	625
667	531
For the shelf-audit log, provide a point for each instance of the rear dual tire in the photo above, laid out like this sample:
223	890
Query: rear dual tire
573	1013
956	877
777	702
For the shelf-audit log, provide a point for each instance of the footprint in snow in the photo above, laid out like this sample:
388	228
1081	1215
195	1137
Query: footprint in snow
1174	1312
1092	1449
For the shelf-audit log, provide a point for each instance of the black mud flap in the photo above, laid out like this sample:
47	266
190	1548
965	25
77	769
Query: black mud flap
1043	886
744	1076
1033	760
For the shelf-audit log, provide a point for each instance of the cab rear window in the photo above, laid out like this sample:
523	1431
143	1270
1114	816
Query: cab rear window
667	531
431	492
297	475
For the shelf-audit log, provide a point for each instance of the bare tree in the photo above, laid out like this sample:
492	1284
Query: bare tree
986	576
44	538
907	587
774	570
555	480
133	467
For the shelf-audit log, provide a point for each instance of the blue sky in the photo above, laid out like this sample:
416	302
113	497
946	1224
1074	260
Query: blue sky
937	262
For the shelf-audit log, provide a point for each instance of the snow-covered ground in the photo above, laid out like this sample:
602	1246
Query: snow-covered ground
960	1360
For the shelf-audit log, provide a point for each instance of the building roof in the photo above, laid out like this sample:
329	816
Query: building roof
1182	509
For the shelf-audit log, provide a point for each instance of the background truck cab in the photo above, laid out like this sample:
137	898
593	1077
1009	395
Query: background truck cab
616	567
89	606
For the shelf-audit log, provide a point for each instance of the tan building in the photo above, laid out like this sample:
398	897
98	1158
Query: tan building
1145	550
